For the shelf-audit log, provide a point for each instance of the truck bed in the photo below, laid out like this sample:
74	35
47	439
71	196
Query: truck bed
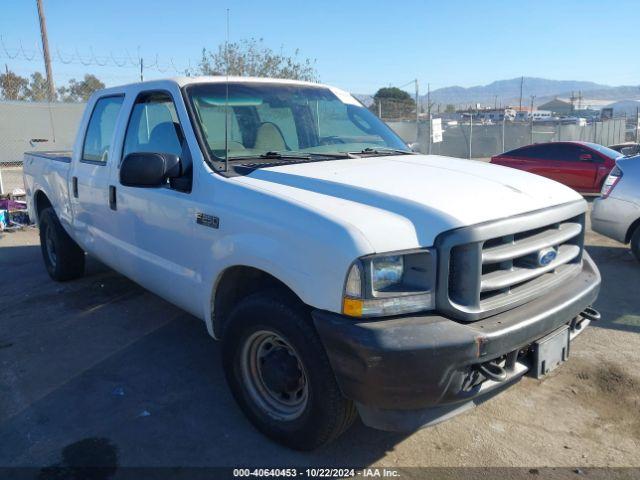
58	156
48	172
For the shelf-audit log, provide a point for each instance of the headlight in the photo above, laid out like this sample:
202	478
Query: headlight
390	284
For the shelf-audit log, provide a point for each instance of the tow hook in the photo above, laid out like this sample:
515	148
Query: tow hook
492	371
591	313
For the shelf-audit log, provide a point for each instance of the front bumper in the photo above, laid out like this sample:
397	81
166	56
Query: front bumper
413	371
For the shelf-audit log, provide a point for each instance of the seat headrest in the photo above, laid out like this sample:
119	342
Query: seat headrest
269	138
165	138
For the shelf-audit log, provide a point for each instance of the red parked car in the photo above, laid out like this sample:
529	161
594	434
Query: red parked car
582	166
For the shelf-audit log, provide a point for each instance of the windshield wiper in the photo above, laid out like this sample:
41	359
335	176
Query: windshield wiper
382	151
275	155
286	155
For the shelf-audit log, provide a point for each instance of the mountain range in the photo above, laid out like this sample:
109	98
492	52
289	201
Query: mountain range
507	92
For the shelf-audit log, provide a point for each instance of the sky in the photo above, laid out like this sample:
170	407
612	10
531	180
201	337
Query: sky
357	45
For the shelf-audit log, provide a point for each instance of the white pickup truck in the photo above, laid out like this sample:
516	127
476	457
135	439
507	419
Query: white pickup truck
343	273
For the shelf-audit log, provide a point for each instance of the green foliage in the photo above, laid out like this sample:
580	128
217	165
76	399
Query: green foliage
35	88
393	102
80	91
251	58
393	93
12	86
450	108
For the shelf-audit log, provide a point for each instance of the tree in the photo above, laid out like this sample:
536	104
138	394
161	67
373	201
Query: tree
251	58
37	90
12	86
393	102
450	108
80	91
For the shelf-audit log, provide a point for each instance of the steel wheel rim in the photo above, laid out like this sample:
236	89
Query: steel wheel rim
282	404
50	246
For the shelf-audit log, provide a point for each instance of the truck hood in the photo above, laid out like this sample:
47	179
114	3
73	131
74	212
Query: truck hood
405	201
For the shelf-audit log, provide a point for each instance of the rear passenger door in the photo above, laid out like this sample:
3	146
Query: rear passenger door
89	182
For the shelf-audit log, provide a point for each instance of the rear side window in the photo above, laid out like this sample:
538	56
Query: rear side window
97	140
567	153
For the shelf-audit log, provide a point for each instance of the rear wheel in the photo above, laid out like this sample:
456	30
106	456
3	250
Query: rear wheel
63	258
279	373
635	243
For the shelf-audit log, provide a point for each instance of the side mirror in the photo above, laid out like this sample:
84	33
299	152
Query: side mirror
585	157
147	169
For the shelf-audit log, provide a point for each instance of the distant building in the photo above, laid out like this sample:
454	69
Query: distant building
557	106
497	114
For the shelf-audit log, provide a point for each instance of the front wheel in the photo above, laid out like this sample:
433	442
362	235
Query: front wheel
280	375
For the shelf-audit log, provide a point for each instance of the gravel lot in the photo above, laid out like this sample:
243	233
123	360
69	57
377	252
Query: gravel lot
102	358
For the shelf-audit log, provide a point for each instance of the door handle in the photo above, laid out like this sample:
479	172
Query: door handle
112	198
74	186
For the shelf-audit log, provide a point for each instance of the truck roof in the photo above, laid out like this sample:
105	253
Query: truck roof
183	81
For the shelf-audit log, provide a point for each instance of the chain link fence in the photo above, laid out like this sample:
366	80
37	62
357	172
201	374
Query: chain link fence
468	140
34	117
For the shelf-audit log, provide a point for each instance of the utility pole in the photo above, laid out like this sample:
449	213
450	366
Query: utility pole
521	83
531	116
504	120
429	117
45	51
470	130
417	113
141	69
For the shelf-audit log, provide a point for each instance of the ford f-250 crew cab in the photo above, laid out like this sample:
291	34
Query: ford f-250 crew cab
343	273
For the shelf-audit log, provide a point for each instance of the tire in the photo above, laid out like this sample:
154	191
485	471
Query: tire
635	243
63	258
296	355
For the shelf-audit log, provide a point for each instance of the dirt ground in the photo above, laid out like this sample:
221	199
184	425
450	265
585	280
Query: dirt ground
103	361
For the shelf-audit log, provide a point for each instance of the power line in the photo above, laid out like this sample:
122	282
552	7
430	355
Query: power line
92	59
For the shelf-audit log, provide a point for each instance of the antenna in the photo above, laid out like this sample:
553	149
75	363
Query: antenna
226	100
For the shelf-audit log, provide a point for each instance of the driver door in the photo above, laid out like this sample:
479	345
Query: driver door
155	224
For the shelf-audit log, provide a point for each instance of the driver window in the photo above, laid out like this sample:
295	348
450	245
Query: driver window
154	127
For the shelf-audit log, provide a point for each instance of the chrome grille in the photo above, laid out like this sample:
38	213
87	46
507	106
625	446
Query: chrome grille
494	266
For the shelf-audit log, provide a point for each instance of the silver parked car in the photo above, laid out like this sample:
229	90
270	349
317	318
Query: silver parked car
616	214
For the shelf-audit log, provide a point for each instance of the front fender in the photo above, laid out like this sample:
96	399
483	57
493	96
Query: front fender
316	275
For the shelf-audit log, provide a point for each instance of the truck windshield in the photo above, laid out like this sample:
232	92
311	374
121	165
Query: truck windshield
273	118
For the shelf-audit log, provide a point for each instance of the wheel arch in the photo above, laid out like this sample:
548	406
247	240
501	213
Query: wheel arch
232	285
40	202
632	228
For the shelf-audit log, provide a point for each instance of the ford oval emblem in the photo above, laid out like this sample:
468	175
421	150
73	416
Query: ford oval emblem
546	256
